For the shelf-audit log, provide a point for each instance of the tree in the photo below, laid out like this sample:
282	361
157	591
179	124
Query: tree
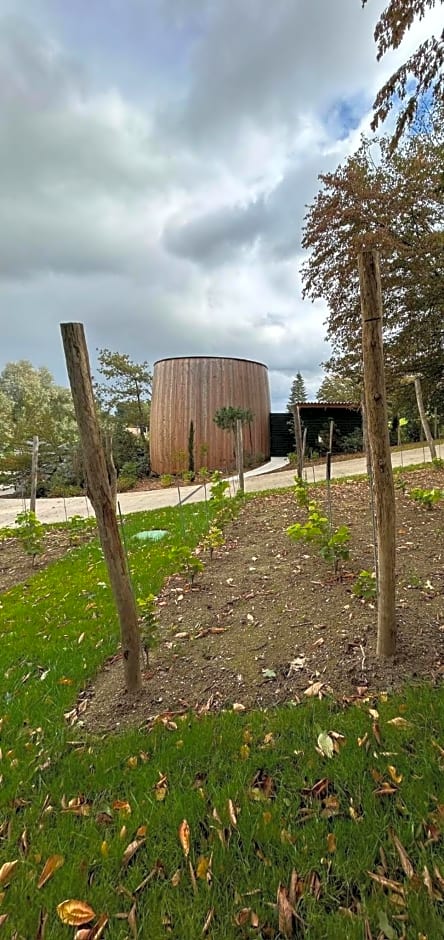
31	404
297	392
126	391
395	204
425	66
335	387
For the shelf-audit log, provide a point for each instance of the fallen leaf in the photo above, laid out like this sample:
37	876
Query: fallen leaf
331	843
184	837
376	733
75	913
407	866
286	912
7	870
397	778
161	788
386	882
203	868
314	689
131	850
238	707
208	920
132	921
389	932
325	744
399	722
122	806
41	927
232	814
50	867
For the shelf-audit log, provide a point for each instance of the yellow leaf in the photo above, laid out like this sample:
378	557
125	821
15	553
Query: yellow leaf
267	817
331	842
184	837
141	832
104	849
51	865
244	751
203	869
75	913
7	870
232	813
397	778
247	736
399	722
132	762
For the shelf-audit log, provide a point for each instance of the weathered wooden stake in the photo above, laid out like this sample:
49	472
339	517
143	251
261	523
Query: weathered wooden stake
424	418
379	447
240	455
34	473
102	498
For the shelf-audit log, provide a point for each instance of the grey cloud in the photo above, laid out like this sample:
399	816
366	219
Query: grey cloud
271	222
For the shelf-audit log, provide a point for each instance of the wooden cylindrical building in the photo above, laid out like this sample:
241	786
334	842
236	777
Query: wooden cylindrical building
187	392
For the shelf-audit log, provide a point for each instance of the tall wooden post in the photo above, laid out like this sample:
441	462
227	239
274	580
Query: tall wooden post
34	473
101	496
240	455
379	447
424	418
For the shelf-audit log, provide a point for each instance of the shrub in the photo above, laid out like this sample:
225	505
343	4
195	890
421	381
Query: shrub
365	585
30	533
126	483
188	476
426	498
166	480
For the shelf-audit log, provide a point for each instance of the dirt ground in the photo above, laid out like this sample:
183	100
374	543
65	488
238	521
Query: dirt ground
266	620
16	566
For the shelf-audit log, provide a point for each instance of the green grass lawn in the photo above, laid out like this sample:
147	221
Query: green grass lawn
260	797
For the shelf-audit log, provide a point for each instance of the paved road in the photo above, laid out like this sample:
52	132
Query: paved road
56	510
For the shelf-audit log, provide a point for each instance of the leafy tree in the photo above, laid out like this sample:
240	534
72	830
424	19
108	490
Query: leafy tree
32	404
297	392
335	387
126	389
425	66
394	203
227	418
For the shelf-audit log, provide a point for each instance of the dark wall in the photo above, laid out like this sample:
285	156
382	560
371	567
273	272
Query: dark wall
316	420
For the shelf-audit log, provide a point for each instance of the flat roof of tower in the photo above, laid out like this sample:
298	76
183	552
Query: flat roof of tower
228	358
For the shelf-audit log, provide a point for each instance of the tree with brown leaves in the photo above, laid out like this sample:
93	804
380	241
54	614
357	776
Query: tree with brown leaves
425	66
395	204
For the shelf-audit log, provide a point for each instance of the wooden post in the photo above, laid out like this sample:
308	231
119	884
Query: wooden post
424	418
379	447
299	441
34	472
330	436
240	455
101	496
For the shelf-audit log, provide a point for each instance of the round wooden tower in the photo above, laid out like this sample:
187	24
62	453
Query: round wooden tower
187	392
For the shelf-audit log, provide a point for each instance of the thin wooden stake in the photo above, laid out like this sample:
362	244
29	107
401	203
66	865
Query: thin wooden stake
34	473
379	447
101	496
299	440
240	455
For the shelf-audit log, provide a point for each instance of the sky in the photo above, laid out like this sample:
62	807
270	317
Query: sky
156	161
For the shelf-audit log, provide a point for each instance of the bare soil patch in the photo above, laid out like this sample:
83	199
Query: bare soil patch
267	619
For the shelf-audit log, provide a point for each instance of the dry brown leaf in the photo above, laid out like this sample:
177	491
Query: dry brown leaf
75	913
3	919
208	920
41	927
407	866
161	788
314	689
192	877
122	806
7	870
131	850
184	837
438	876
50	867
132	922
386	882
399	722
331	843
376	733
176	878
286	912
297	887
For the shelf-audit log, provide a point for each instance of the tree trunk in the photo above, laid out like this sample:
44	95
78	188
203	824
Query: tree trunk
240	455
34	473
101	496
379	447
424	418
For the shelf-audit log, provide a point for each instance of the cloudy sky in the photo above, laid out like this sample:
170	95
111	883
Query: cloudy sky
156	157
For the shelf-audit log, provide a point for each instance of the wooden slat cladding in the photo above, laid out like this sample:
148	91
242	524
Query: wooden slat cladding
192	389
